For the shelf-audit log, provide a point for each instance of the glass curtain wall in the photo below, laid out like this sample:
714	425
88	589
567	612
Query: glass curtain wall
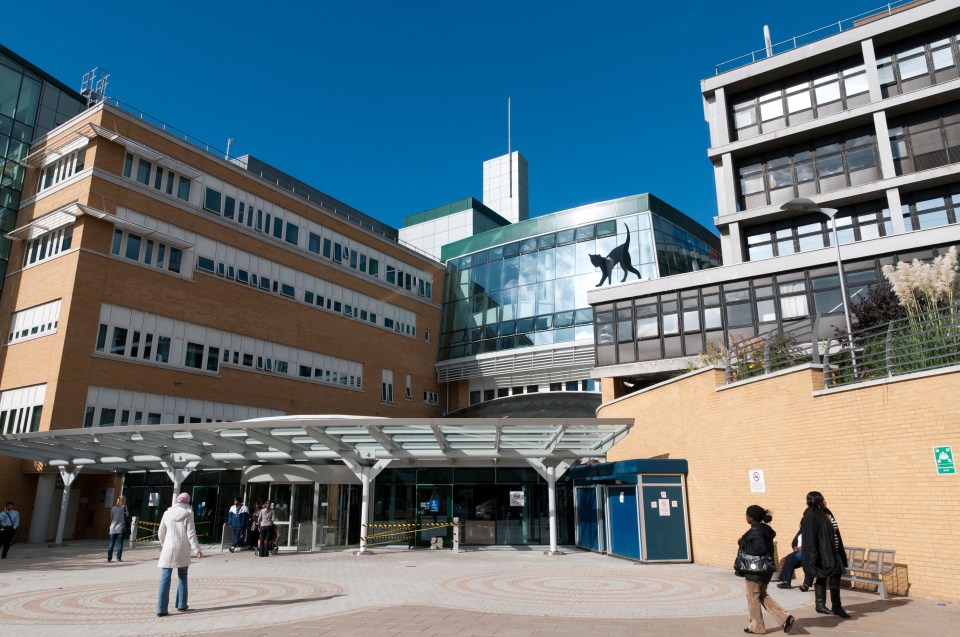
29	108
534	291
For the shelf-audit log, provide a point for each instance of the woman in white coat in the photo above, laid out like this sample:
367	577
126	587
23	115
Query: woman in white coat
178	539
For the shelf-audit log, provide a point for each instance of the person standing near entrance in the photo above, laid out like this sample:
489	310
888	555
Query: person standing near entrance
178	538
9	523
118	521
267	519
239	519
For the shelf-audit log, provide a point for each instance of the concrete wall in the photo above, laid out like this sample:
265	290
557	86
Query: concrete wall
869	449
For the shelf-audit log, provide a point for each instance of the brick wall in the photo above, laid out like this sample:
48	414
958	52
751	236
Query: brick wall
868	449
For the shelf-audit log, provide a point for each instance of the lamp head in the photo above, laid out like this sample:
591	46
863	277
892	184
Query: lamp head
801	204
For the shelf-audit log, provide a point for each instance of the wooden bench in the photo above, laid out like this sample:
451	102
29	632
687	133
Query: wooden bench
869	566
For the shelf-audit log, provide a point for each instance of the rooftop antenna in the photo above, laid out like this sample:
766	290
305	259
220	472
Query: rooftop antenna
229	144
94	86
509	149
767	42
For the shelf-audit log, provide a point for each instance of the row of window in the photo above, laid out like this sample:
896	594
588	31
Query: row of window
926	140
803	100
817	167
588	385
870	220
248	269
48	245
108	407
62	169
925	61
681	323
21	408
146	337
256	214
154	253
163	180
36	321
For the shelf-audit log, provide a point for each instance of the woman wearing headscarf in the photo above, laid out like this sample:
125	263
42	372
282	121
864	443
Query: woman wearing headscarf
758	540
178	539
824	557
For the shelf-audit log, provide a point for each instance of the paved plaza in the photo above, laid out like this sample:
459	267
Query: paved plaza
502	592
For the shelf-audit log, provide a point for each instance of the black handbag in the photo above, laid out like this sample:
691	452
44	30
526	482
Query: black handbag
753	564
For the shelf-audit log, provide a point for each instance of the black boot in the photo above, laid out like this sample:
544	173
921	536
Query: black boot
820	596
835	604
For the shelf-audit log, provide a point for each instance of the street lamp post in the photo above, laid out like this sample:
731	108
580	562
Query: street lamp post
803	204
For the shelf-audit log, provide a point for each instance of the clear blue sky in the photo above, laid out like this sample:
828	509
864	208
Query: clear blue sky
393	106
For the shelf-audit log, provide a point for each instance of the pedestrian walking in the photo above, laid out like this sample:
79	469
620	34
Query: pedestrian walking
239	519
757	542
178	538
9	523
824	557
118	523
267	519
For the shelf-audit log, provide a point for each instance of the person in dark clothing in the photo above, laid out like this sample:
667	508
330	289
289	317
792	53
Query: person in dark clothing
824	557
792	561
758	540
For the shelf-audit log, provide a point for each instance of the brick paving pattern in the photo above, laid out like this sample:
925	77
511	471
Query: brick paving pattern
496	592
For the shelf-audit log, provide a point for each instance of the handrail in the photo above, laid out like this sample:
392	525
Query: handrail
800	40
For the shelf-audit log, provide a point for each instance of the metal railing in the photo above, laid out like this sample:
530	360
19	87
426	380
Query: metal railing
798	344
922	342
817	34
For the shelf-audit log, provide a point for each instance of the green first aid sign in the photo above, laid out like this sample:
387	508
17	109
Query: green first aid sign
944	457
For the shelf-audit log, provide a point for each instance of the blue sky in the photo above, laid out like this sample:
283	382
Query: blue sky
393	106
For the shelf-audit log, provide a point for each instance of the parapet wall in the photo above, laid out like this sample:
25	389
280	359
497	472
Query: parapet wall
868	449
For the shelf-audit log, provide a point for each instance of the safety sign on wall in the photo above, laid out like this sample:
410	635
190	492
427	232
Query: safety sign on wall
945	464
516	498
756	481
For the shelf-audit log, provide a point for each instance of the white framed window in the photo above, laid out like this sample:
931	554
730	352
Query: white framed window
431	397
21	408
48	245
409	394
34	322
61	169
108	406
386	387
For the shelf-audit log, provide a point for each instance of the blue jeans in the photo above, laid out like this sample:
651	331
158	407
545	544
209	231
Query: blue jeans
116	539
238	536
163	599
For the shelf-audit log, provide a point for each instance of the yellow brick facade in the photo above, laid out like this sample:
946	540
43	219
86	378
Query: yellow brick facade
868	449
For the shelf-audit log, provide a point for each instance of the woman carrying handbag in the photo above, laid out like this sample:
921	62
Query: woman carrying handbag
755	564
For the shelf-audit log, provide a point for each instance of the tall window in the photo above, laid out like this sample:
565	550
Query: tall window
386	387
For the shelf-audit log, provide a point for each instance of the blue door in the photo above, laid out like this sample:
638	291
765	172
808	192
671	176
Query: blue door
588	531
624	522
664	521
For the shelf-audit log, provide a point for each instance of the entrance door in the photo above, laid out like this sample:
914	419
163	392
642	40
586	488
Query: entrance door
434	506
280	495
588	527
624	527
665	523
205	514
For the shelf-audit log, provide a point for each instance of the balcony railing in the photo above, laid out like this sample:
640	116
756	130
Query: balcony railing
917	343
817	34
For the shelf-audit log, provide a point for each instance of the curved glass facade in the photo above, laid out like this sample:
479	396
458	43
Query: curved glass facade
534	291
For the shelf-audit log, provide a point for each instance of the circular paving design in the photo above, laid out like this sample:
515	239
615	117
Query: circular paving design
574	593
120	603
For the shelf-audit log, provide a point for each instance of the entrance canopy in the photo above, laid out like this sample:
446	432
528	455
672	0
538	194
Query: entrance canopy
320	440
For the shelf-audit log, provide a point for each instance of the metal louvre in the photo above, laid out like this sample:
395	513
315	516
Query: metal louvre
48	154
147	153
318	440
60	217
552	365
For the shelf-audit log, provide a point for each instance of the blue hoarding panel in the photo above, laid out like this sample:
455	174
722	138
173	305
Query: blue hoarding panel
624	522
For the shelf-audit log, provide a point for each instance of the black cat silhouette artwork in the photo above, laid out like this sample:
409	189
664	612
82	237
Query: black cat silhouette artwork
618	256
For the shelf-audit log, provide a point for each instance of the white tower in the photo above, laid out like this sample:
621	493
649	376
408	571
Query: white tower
505	186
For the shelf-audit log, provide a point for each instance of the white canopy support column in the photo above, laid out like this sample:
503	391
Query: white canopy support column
550	471
177	473
68	477
366	473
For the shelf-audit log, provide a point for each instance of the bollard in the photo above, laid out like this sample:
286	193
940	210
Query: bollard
456	535
133	531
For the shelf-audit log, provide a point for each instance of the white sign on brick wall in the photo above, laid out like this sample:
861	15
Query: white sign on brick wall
757	484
